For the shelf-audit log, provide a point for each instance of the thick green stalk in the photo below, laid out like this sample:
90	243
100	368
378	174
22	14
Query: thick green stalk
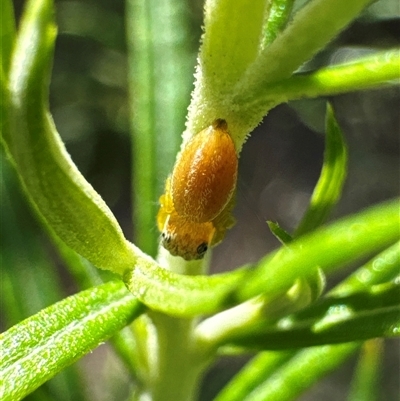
231	43
216	93
175	363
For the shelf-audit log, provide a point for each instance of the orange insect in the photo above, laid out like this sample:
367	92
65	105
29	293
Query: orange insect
196	207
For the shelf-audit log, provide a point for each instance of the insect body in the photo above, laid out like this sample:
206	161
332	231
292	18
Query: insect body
196	207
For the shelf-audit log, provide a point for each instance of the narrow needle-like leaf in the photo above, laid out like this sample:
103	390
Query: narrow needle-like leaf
328	190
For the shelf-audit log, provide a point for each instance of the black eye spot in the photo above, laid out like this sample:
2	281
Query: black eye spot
165	238
202	248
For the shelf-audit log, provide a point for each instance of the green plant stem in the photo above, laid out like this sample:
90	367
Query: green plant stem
227	48
160	80
174	362
231	42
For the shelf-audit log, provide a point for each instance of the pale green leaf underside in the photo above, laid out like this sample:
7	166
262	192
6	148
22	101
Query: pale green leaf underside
66	201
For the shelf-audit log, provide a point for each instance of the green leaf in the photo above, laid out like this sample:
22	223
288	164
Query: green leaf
231	41
358	317
180	295
277	19
328	190
316	362
365	385
28	277
29	280
329	248
66	201
253	374
315	25
257	315
326	194
282	236
42	345
382	268
345	302
246	318
369	72
230	44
